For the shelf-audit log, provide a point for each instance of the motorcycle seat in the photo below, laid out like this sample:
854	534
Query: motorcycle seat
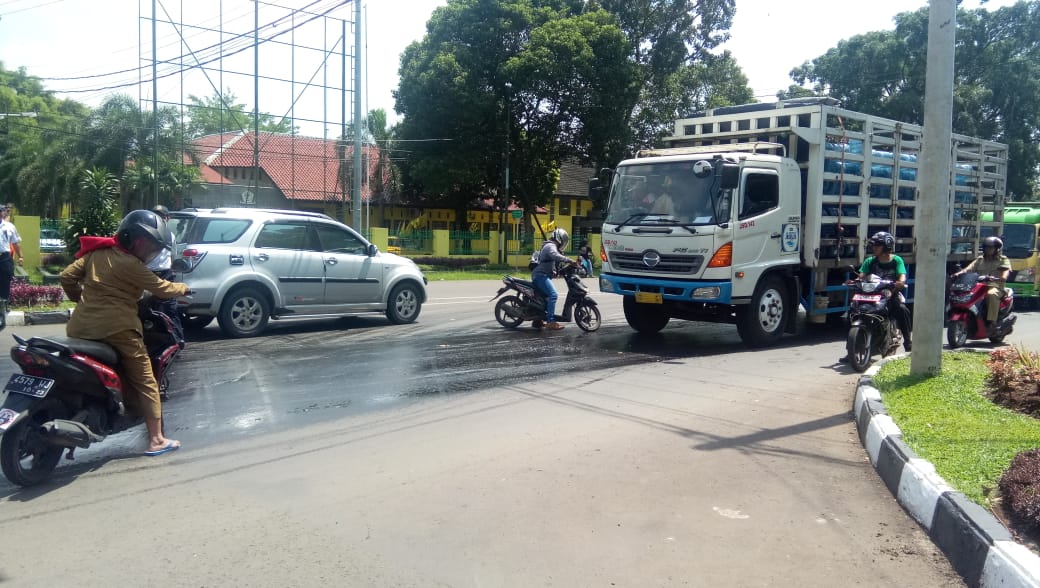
96	349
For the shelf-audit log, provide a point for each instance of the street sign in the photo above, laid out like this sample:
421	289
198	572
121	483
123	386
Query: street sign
518	213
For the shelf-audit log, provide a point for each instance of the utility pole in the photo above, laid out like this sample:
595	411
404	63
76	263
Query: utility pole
933	242
155	111
505	191
356	204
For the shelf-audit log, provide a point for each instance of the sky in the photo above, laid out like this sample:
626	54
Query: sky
59	39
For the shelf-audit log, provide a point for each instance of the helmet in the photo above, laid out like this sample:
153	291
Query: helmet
142	233
993	241
884	239
561	237
162	211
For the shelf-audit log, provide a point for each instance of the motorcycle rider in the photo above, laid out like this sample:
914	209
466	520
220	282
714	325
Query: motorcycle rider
993	263
585	256
888	266
542	274
106	280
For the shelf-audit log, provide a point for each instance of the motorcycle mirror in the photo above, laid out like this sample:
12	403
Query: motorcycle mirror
179	265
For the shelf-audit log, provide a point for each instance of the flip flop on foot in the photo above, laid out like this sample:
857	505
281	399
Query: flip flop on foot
170	446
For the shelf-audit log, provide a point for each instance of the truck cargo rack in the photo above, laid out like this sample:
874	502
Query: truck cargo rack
730	148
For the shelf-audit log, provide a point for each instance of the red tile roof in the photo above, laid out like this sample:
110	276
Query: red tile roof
303	168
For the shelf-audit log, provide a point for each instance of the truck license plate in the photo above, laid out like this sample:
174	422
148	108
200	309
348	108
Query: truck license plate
649	298
29	385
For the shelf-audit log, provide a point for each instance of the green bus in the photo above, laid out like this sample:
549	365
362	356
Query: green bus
1021	228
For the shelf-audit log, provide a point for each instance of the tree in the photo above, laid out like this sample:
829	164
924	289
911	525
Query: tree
996	77
39	165
552	76
219	113
676	71
98	212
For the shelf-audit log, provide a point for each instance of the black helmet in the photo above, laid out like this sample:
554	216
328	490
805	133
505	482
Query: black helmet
143	233
162	211
884	239
993	241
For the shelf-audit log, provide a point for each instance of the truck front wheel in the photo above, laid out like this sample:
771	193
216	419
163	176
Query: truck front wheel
761	323
645	318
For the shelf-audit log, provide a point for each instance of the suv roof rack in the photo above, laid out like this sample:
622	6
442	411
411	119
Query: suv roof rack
305	213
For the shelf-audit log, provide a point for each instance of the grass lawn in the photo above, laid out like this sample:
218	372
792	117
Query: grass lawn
949	421
484	273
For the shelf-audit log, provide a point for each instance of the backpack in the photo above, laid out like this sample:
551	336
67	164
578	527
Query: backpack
536	258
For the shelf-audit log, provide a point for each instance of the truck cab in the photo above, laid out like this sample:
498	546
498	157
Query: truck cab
692	231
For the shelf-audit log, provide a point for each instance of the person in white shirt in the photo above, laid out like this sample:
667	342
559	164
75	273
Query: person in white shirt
161	265
10	250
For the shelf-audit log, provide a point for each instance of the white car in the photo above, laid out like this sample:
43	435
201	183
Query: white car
248	265
51	241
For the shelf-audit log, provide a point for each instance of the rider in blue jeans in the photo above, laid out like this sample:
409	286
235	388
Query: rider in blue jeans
543	273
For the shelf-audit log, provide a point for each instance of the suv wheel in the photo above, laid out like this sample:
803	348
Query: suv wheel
404	304
244	313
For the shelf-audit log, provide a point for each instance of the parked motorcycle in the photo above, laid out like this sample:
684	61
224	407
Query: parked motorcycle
966	311
871	330
528	304
70	395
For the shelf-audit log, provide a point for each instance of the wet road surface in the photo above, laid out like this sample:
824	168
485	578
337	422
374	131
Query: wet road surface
308	371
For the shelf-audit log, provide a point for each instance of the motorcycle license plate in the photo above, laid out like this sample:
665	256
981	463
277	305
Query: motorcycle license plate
875	298
28	385
649	298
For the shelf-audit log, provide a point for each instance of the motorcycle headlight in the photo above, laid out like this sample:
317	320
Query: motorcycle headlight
868	286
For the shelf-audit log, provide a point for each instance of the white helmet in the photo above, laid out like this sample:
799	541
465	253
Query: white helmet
561	237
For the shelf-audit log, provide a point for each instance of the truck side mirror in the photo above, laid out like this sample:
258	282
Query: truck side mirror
729	177
595	189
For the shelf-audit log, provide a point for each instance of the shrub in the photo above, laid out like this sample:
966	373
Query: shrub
1020	487
1015	377
26	294
56	259
451	262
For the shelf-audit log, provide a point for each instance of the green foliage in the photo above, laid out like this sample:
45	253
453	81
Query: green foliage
219	113
451	262
543	77
98	212
948	421
672	43
38	159
997	79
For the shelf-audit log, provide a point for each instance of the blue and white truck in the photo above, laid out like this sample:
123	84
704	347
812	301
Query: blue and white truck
768	205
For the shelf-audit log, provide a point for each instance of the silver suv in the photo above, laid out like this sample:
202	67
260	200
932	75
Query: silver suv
249	265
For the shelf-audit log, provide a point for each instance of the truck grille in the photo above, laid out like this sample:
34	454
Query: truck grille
669	264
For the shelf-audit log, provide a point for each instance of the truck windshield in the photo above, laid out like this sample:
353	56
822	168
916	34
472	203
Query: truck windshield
1019	240
664	193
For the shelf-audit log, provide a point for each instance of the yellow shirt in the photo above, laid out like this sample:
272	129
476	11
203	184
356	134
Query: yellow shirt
106	284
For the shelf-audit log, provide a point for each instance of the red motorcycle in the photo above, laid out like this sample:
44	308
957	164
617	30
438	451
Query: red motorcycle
966	311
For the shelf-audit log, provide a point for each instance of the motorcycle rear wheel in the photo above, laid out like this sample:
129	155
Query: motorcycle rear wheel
587	316
505	319
26	459
957	334
858	347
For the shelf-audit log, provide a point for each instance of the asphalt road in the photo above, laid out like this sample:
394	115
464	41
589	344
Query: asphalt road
454	452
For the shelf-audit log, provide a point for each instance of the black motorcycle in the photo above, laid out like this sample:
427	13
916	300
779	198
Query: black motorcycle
871	329
70	395
528	304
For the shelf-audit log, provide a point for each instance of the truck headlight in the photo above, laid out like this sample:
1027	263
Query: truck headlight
710	292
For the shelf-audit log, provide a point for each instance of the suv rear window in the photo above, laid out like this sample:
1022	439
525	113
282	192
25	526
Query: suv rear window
218	230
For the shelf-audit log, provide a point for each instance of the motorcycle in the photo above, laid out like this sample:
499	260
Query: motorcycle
528	304
871	329
966	311
69	395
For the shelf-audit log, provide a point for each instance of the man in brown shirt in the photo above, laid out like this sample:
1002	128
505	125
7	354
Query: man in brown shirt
106	281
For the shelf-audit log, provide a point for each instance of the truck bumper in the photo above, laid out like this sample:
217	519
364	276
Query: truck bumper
678	290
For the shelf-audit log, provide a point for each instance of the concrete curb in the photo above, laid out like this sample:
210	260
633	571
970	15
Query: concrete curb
978	546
